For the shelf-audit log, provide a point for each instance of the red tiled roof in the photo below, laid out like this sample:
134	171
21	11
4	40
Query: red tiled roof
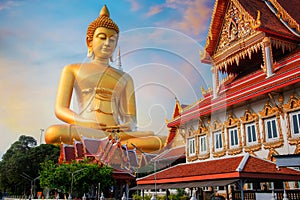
67	153
90	145
171	154
133	158
287	72
245	166
105	151
171	135
78	149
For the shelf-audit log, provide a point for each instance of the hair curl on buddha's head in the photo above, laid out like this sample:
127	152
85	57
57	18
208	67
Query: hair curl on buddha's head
102	21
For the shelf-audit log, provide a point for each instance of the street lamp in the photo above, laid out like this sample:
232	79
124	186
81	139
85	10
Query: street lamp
32	182
42	131
70	197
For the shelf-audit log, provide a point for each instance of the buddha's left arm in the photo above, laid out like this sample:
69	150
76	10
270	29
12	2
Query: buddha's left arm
128	105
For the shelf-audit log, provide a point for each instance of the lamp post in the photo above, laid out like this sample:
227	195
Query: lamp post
42	131
72	179
32	183
154	194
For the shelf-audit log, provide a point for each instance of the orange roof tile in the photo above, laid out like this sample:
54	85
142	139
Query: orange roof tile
245	166
171	154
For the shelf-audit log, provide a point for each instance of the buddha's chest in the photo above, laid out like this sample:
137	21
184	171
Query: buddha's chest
101	83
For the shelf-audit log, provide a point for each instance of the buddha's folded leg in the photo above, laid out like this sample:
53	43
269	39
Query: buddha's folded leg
65	133
146	144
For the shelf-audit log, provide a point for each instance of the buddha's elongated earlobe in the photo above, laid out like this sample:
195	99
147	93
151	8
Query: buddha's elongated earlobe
90	53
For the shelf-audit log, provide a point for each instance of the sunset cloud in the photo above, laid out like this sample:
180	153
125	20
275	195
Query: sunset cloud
135	6
154	10
192	17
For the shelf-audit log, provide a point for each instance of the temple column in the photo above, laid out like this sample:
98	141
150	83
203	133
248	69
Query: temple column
215	80
267	55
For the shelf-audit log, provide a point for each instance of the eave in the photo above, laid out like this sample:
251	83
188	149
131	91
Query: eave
287	72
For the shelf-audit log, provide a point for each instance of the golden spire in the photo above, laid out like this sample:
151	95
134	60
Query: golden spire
104	11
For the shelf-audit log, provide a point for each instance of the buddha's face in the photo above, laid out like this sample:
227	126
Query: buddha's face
104	42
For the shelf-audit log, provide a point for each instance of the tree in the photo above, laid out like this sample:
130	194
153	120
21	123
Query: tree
85	177
20	164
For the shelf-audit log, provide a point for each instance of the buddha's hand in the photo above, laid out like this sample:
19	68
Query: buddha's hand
91	124
126	126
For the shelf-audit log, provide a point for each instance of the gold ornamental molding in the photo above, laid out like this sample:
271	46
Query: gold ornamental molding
203	131
233	122
238	24
285	15
233	54
268	112
292	105
215	127
251	117
271	154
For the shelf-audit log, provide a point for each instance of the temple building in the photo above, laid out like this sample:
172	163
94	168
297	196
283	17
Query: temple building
243	137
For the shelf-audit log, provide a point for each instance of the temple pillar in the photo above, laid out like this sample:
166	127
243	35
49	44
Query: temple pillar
215	80
267	56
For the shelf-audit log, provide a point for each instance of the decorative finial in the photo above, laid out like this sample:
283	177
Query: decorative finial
118	61
104	11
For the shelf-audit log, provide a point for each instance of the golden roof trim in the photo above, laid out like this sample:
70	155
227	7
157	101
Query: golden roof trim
285	15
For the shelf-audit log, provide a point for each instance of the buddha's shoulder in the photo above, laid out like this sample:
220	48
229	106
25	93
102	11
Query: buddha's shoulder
74	67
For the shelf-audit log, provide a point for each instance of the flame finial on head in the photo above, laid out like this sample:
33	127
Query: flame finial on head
104	11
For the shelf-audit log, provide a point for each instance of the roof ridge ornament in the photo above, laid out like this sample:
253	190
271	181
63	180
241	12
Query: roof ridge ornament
243	162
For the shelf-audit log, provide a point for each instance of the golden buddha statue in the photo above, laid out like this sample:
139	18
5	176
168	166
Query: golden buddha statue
105	95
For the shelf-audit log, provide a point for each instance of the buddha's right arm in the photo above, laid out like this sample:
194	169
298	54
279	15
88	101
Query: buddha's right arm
70	117
64	96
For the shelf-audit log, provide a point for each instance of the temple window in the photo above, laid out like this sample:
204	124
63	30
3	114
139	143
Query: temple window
252	137
191	147
271	129
251	133
295	123
233	135
272	134
292	110
202	140
202	144
218	141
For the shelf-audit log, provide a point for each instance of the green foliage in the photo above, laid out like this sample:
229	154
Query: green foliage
85	176
138	197
20	164
180	195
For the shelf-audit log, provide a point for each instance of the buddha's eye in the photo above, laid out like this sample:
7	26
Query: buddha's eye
112	39
102	36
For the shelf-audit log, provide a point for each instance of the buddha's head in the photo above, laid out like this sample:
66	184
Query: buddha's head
102	31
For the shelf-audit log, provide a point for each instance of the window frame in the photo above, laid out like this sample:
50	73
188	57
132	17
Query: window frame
291	114
252	125
191	140
234	139
272	128
201	152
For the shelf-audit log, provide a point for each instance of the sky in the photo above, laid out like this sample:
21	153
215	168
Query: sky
159	41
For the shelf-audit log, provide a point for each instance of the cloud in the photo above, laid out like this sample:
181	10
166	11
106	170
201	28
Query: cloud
135	6
155	10
192	17
8	4
195	18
